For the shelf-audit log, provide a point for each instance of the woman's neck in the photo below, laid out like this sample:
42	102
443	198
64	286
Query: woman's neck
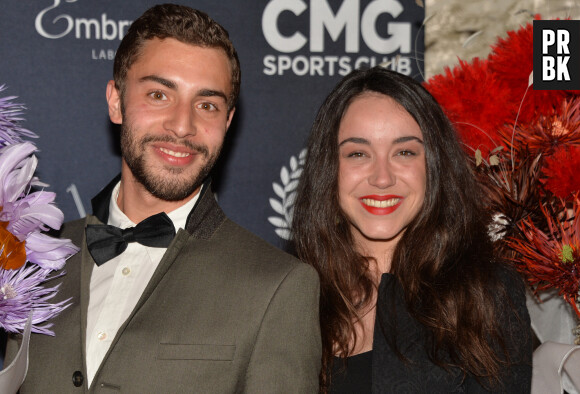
380	252
364	327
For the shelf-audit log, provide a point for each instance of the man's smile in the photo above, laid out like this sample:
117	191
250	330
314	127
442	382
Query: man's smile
174	153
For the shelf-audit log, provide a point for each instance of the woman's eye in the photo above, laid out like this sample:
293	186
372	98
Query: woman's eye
406	153
356	154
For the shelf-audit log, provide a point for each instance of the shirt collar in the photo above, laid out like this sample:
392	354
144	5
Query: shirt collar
178	216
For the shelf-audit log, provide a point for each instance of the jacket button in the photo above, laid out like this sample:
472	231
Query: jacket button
78	378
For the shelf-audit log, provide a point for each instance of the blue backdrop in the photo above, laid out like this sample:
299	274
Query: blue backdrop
56	56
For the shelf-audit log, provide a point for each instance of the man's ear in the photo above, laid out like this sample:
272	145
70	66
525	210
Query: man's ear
114	100
230	117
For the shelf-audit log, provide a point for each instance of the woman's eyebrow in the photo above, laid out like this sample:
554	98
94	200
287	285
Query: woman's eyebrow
355	140
400	140
407	138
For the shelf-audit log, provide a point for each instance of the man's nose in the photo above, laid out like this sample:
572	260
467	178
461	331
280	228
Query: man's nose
181	120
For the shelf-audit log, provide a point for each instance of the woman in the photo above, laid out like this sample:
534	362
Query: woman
389	213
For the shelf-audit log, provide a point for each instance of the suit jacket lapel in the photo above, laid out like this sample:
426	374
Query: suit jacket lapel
87	264
206	216
100	203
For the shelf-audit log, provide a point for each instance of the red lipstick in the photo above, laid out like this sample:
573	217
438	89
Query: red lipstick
381	210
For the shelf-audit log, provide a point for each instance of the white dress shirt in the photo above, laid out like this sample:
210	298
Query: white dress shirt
117	285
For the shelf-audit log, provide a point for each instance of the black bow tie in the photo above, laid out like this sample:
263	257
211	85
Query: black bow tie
106	242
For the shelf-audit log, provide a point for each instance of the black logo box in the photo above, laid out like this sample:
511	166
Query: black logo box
546	72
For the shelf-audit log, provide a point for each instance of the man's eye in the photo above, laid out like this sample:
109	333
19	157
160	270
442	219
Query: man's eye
157	95
208	107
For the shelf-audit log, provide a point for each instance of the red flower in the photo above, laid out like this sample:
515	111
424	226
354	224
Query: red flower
474	99
562	172
529	162
551	259
549	132
513	59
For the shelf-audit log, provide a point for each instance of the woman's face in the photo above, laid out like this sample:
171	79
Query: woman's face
381	176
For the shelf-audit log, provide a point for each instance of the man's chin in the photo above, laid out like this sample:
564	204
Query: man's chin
173	194
170	183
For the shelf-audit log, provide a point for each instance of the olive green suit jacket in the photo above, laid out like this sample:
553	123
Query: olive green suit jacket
224	312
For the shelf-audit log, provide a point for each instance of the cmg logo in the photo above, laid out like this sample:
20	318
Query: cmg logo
350	19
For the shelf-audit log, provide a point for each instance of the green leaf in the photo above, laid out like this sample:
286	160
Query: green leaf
567	254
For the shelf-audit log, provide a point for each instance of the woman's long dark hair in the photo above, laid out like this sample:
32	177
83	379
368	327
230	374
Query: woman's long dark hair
443	260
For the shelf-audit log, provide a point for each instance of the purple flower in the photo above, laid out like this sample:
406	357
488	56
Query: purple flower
30	213
48	252
21	291
10	131
26	213
17	166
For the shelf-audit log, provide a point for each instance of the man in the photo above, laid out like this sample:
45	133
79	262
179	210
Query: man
217	310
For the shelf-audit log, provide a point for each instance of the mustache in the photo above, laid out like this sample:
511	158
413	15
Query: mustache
203	149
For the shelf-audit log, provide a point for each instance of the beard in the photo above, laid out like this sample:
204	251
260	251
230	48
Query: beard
166	185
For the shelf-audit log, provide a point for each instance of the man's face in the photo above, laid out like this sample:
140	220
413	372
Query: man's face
174	116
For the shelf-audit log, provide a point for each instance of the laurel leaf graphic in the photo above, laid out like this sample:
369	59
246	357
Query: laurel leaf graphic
290	200
296	174
283	233
293	163
284	175
286	191
278	222
277	206
291	186
279	190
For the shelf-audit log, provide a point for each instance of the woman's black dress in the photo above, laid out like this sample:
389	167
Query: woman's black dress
382	371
